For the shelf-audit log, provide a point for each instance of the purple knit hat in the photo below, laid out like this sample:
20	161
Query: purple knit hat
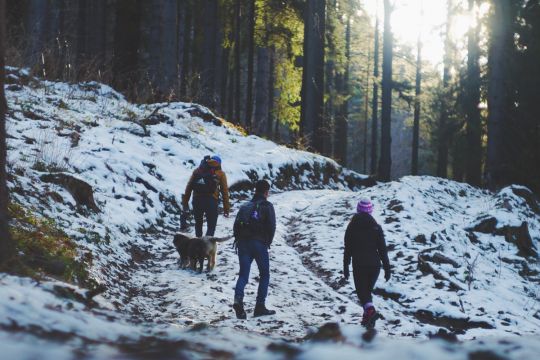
364	205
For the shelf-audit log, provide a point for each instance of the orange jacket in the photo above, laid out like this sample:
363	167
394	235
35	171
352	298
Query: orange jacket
221	188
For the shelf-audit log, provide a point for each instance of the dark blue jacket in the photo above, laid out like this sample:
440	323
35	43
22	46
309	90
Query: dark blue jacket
268	222
364	243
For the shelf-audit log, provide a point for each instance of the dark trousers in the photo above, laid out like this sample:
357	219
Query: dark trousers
247	252
205	205
365	278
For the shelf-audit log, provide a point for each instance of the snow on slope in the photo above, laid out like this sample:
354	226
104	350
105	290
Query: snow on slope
137	174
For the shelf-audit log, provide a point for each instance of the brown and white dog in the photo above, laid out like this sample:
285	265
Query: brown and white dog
194	250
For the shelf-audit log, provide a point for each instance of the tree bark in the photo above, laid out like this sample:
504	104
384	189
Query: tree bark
385	162
473	159
312	113
375	101
416	118
7	247
500	96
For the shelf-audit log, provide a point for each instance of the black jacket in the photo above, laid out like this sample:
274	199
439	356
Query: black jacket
364	243
268	222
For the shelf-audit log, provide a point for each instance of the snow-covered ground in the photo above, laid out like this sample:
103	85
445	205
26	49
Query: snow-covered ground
461	261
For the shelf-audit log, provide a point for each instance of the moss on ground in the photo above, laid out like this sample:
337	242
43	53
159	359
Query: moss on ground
44	250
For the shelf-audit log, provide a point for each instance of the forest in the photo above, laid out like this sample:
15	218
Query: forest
327	76
375	164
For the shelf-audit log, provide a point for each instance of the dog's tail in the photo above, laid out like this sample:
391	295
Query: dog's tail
216	239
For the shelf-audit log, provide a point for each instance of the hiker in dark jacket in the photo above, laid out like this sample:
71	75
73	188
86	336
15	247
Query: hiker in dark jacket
365	244
254	230
207	182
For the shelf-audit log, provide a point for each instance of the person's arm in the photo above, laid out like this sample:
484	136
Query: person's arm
225	193
383	251
271	221
235	226
347	249
187	192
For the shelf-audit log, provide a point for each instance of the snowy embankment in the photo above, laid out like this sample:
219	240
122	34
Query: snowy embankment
111	173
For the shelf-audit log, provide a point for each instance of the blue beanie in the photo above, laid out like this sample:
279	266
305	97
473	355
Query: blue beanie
216	158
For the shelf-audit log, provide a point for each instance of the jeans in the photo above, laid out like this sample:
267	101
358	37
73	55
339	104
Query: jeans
205	205
249	250
365	278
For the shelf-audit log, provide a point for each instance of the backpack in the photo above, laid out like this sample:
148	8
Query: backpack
205	182
249	220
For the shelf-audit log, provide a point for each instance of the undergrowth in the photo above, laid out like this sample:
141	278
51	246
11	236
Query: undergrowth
43	249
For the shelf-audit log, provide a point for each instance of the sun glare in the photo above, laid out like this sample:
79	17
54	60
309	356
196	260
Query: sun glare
428	17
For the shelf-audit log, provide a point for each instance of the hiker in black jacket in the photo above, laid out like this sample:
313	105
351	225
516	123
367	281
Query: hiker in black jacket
254	230
365	244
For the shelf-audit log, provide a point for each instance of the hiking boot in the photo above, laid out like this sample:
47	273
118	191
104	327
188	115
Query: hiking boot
369	317
239	310
261	310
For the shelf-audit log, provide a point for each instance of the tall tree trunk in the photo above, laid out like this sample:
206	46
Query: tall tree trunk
251	55
500	96
375	101
262	90
188	50
237	55
168	47
271	81
126	45
209	52
343	114
385	162
473	159
230	69
36	17
416	121
366	112
180	46
312	113
7	248
224	82
149	50
443	141
219	75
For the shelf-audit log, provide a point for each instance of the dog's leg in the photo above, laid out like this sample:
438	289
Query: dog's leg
201	265
213	261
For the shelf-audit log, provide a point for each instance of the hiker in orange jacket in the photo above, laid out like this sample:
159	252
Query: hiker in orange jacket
207	182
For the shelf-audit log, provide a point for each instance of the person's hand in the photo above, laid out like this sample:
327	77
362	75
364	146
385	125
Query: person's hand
387	274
